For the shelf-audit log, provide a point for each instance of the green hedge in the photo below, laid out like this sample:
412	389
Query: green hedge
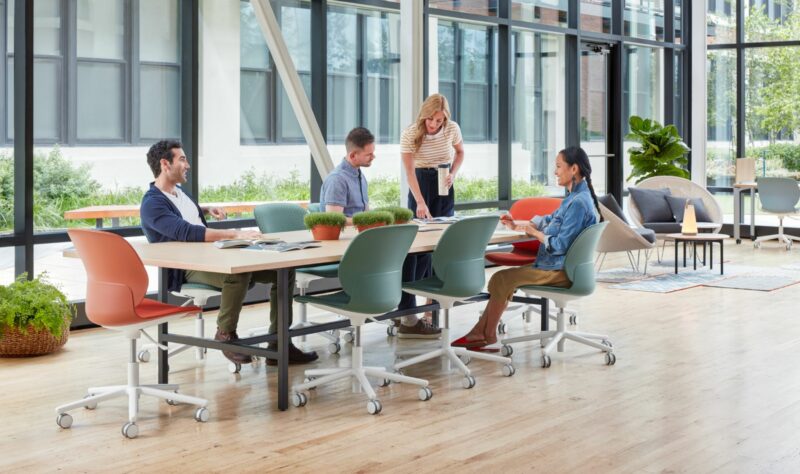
60	185
786	153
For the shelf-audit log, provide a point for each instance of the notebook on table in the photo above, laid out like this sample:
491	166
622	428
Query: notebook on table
242	243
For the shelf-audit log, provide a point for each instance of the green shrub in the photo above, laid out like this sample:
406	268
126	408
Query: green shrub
325	218
400	214
372	217
788	154
36	304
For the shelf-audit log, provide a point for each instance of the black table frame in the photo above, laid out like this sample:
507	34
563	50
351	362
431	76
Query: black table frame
283	336
704	241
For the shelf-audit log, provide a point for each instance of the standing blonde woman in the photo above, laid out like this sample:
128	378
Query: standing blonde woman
431	141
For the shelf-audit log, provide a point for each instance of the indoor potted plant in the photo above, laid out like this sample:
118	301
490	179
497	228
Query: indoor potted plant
34	317
369	219
325	225
661	151
401	214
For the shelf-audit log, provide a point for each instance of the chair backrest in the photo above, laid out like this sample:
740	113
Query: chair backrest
371	269
579	262
459	257
778	194
279	217
679	187
745	170
313	207
117	280
526	208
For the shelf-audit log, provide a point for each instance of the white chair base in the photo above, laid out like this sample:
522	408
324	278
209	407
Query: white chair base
551	340
357	371
133	390
527	311
453	356
785	239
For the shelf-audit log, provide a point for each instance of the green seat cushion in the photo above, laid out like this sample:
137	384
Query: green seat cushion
434	286
324	271
340	299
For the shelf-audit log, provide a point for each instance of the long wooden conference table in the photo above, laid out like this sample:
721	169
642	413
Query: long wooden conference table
206	257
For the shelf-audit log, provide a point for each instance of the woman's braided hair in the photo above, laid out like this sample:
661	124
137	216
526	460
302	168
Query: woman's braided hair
575	155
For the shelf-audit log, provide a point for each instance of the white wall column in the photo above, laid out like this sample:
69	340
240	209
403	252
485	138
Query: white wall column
411	71
699	103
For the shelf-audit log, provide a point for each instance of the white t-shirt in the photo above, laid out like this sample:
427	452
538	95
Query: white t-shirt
185	206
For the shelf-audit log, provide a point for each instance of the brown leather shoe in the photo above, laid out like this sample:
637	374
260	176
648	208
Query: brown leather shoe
234	357
296	356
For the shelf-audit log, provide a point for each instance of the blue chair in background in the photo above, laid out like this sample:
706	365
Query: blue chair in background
778	196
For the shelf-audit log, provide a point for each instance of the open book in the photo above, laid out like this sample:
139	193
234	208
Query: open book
243	243
438	220
284	246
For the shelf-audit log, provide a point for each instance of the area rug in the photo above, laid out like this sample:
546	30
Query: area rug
624	275
755	282
669	282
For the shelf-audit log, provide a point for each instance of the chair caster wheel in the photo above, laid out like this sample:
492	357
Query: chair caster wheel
606	342
465	359
143	356
309	379
348	337
299	399
509	370
468	382
611	358
130	430
425	394
546	361
234	367
501	328
506	350
374	407
90	405
201	415
334	347
384	383
391	331
64	420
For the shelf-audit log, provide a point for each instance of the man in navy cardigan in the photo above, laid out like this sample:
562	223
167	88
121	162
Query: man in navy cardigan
169	214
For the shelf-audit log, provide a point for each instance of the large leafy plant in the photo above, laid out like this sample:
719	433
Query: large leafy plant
661	151
34	304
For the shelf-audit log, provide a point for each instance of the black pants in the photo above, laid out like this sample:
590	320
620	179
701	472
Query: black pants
418	267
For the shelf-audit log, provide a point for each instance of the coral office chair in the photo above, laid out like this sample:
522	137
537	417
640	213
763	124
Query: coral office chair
115	300
524	253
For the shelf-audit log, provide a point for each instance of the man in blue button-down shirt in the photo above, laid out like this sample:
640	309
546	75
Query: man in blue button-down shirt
345	189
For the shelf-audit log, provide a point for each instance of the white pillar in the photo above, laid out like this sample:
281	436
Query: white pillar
411	76
699	89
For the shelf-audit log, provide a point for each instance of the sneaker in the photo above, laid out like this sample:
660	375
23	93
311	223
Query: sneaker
422	330
296	356
234	357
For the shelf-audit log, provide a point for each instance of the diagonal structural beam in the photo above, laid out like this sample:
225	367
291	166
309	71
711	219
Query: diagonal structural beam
294	88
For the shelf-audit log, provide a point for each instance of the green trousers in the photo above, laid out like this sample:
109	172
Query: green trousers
234	289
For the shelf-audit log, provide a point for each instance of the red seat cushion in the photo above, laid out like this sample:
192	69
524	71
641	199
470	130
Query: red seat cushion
515	258
149	309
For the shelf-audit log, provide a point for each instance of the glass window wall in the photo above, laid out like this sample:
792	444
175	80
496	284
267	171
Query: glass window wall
643	90
546	12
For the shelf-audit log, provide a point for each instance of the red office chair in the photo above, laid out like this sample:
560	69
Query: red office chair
117	283
524	253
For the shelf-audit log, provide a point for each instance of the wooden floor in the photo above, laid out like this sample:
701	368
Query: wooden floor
707	379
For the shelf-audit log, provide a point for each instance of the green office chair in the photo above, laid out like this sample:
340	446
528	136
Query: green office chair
778	196
579	265
371	276
285	217
459	273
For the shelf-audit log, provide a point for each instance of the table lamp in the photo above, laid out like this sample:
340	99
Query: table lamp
689	226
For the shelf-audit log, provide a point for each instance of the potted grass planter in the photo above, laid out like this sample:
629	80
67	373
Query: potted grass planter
369	219
401	214
34	317
325	225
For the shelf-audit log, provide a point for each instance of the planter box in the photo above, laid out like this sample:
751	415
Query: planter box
326	232
14	343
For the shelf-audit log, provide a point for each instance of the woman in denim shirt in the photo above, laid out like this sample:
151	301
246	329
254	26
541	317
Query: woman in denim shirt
556	233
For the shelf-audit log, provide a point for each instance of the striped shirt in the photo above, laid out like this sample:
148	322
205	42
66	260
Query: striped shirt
436	149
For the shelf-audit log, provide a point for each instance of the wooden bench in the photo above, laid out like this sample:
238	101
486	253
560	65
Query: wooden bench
115	211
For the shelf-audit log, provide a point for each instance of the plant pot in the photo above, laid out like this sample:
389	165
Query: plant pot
326	232
362	228
15	343
400	222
